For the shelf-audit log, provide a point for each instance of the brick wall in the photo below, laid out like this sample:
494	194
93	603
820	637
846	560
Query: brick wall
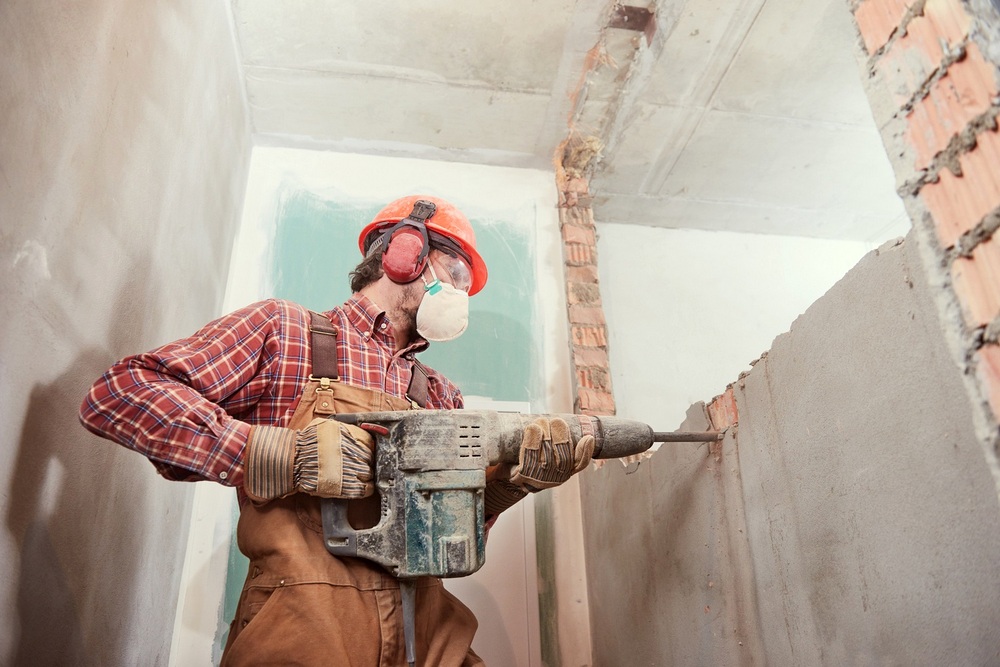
933	79
592	391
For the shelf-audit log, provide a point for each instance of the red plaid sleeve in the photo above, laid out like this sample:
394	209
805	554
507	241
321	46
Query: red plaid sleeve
188	405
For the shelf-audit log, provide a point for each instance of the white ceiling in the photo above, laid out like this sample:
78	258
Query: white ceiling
740	115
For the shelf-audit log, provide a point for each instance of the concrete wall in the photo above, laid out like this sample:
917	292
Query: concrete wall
848	518
123	156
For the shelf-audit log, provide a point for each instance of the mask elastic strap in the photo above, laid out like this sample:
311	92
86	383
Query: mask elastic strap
434	286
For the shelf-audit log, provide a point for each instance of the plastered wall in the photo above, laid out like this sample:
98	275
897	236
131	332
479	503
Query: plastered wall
848	518
123	156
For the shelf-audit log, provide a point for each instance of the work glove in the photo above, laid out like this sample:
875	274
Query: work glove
548	457
327	458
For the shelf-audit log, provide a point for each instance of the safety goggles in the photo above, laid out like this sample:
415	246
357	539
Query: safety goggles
458	270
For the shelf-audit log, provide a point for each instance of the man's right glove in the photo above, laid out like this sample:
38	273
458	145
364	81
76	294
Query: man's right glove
327	459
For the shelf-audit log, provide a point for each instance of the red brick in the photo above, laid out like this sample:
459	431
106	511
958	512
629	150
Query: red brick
593	378
579	255
988	367
965	92
576	215
878	18
592	401
977	283
909	63
579	314
593	357
949	18
958	204
722	410
589	336
583	293
578	234
582	274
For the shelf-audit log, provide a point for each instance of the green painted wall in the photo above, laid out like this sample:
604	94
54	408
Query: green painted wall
235	576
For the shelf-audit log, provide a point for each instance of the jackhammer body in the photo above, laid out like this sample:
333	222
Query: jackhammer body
430	474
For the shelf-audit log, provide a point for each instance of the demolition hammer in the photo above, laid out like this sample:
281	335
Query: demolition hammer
430	474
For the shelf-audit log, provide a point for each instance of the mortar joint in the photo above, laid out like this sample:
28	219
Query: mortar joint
982	232
951	56
949	156
991	333
915	10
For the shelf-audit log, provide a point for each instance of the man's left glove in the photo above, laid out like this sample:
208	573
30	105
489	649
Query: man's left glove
548	457
327	458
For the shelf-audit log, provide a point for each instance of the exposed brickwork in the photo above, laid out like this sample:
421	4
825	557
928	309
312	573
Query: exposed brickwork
583	293
988	358
878	19
959	203
589	336
593	392
582	274
965	91
947	19
722	410
577	234
593	315
594	402
580	255
977	283
931	56
590	356
593	377
918	53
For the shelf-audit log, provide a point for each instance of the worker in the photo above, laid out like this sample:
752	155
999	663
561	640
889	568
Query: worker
247	402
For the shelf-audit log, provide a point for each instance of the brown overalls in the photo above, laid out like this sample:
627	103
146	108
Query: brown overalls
302	606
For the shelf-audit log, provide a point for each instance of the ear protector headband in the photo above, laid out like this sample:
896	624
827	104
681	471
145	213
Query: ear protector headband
407	245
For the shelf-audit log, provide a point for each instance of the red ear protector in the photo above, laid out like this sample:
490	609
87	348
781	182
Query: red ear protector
407	245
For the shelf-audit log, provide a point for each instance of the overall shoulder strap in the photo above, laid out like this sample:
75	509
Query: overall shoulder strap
323	346
417	391
323	338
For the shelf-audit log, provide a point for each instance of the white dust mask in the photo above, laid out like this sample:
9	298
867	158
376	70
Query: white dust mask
443	313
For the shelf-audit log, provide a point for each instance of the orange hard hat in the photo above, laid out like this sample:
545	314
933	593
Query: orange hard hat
446	220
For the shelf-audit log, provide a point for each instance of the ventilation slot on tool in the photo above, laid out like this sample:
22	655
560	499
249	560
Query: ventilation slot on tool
468	442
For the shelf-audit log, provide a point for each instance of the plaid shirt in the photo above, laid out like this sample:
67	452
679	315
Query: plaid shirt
188	406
